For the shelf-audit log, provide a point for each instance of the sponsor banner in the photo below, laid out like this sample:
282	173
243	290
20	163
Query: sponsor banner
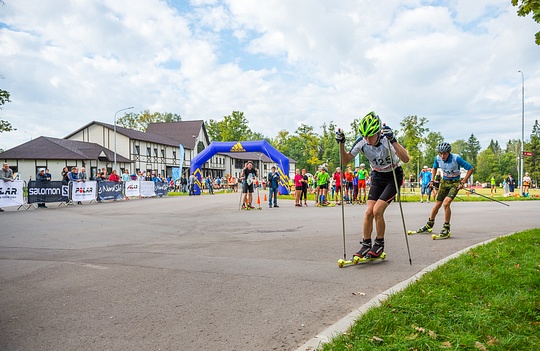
162	189
131	188
52	191
11	193
83	191
147	188
110	190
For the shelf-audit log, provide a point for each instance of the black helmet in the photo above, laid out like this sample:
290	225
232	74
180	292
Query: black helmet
444	147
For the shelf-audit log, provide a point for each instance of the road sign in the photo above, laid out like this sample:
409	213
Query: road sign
527	153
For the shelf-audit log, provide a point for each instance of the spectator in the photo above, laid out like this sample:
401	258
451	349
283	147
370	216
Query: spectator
148	176
526	184
6	174
304	187
425	179
210	185
298	188
42	177
125	176
184	183
82	175
114	177
48	174
493	186
511	182
338	178
65	176
191	185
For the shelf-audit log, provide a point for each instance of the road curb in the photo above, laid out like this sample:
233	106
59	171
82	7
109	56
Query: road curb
345	323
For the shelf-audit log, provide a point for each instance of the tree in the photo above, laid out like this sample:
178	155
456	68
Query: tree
233	127
471	150
488	166
5	126
432	140
141	121
532	163
525	7
413	139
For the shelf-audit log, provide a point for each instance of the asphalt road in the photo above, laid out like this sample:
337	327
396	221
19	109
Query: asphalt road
195	273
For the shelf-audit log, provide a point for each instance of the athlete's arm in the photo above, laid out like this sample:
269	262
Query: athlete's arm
401	152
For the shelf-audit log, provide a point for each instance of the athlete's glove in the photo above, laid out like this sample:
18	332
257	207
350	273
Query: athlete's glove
389	134
340	136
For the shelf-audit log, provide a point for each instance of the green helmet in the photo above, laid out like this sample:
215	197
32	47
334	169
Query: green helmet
370	125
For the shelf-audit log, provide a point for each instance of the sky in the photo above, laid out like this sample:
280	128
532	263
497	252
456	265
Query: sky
282	63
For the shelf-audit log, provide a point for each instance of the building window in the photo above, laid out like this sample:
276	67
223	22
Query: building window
162	153
174	154
148	151
155	152
137	150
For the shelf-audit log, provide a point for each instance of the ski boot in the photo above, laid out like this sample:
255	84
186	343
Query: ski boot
377	250
361	254
428	228
445	232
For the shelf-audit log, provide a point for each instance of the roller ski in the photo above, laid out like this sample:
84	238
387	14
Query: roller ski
428	228
445	233
366	254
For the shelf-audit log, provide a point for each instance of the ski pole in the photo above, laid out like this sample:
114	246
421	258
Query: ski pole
241	193
487	197
342	204
399	200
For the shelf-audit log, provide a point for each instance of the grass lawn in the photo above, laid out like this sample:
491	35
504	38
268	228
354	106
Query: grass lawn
485	299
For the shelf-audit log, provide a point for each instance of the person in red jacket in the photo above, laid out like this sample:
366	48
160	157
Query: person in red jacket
114	177
337	181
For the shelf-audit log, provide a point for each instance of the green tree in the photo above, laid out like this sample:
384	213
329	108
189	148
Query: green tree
459	146
532	163
233	127
526	7
432	140
140	121
487	167
5	126
412	138
471	150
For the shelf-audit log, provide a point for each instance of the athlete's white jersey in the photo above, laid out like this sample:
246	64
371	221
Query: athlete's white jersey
378	155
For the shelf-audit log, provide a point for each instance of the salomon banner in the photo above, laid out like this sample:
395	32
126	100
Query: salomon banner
162	189
148	188
110	191
11	193
83	191
132	188
53	191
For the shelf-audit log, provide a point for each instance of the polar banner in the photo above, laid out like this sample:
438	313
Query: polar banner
83	191
11	193
147	188
110	190
131	188
162	189
52	191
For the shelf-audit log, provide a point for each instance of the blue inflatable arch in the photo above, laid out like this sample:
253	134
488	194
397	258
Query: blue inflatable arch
245	146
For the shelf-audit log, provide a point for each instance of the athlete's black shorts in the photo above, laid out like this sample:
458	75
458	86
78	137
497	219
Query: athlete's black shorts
247	188
323	186
383	185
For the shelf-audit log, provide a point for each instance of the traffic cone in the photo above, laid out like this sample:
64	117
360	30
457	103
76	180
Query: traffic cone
265	199
258	200
279	193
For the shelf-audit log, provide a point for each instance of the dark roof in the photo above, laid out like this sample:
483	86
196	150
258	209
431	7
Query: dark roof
250	156
47	148
132	134
181	132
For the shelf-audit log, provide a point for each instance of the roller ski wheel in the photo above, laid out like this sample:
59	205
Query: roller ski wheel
412	232
344	263
360	260
445	233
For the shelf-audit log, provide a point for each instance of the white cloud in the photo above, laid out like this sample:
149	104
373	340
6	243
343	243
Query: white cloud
282	63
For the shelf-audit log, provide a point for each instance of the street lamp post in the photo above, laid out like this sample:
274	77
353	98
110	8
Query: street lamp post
127	108
521	169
